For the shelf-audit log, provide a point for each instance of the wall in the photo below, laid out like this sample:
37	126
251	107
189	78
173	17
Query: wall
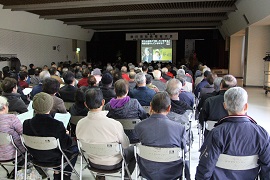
258	45
236	56
38	49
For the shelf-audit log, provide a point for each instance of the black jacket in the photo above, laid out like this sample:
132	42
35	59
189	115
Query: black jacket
15	102
67	93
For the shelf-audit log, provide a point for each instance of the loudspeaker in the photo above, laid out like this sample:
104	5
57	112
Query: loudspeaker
74	45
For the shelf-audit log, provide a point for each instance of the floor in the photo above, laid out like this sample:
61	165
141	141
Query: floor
259	110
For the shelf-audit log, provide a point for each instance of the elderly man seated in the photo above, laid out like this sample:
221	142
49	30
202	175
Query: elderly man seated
235	136
159	131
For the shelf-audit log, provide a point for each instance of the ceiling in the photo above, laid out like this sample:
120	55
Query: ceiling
125	15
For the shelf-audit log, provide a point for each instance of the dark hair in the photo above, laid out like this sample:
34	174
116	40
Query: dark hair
31	65
144	68
92	80
121	87
23	75
37	71
149	78
50	85
52	71
160	102
79	96
210	78
8	84
93	98
206	73
68	77
85	72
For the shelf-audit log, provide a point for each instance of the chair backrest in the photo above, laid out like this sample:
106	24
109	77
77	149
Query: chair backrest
158	154
129	124
106	149
209	125
68	105
75	119
229	162
147	109
39	143
5	139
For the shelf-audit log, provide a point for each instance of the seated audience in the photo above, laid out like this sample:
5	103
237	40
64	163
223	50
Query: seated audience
83	81
22	79
53	72
235	135
157	82
106	88
159	131
97	74
202	84
200	78
124	73
188	82
209	88
44	125
51	86
142	93
31	71
67	92
96	127
149	84
9	87
124	107
10	124
78	108
164	74
132	83
186	96
92	83
38	88
35	79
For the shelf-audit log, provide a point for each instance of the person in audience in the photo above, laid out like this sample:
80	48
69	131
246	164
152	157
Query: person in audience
44	125
31	71
200	78
35	79
132	83
213	109
96	127
92	83
10	124
124	73
83	81
67	92
157	82
97	73
186	96
188	86
51	86
38	88
54	75
202	84
149	84
209	88
78	108
9	87
124	107
236	135
22	79
164	74
78	74
145	68
159	131
106	88
142	93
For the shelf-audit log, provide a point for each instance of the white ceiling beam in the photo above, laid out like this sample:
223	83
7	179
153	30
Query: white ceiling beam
92	3
141	12
152	20
145	26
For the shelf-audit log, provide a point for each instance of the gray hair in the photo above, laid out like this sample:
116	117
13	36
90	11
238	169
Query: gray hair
3	102
140	78
109	68
217	82
43	75
164	70
173	87
157	74
235	99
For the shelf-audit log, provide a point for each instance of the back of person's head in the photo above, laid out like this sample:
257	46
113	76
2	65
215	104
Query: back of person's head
144	68
50	85
164	70
23	75
42	103
182	80
31	66
109	68
85	72
52	71
37	71
228	81
150	69
235	99
160	102
210	78
157	74
3	102
173	87
107	79
92	80
206	73
8	84
79	96
131	67
140	78
23	68
68	77
217	82
181	72
149	79
43	75
93	98
132	75
124	69
121	87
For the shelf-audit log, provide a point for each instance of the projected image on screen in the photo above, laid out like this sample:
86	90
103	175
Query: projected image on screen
156	50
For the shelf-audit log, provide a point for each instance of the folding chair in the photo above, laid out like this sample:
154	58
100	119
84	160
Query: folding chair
99	150
6	139
129	124
158	154
147	109
45	144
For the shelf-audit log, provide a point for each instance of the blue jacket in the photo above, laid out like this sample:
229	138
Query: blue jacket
201	85
236	136
143	94
159	131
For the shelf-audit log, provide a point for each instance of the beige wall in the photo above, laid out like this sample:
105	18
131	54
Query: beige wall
258	45
236	56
